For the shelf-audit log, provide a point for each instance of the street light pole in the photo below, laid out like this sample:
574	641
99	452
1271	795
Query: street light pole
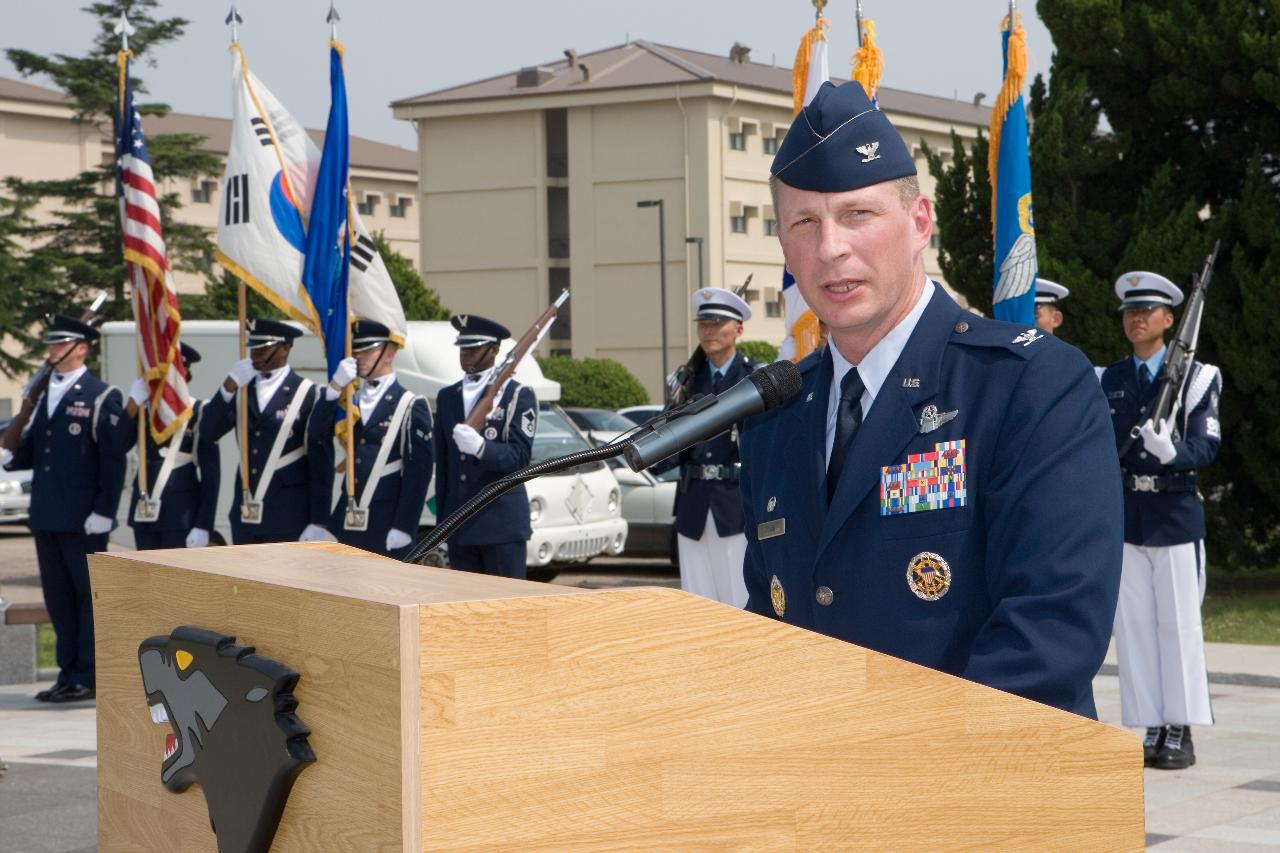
662	262
697	240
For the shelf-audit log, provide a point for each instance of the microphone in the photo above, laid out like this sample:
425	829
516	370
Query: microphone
709	416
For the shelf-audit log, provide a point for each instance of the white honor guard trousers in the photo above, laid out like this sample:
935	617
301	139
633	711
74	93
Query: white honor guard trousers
712	566
1159	639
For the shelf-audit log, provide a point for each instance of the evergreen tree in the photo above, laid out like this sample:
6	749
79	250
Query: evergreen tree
28	289
419	301
82	243
962	199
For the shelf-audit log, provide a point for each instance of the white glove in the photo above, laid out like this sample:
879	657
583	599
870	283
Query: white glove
468	440
345	373
1158	440
241	372
397	539
316	533
139	392
6	456
96	524
198	538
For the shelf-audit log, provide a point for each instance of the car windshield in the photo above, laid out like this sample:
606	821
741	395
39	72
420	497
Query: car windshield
556	436
639	416
599	419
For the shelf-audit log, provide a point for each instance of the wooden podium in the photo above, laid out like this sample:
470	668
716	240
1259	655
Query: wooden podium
452	711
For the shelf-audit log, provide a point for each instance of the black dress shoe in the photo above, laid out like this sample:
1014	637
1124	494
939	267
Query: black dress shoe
72	693
1176	753
47	694
1151	744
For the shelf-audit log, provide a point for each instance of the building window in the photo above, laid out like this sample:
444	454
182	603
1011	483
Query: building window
202	193
770	144
397	208
738	141
738	224
367	207
771	228
772	309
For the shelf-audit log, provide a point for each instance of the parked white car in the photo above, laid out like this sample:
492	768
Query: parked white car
648	505
574	519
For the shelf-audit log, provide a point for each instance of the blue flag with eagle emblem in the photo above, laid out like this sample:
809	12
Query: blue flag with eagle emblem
1009	163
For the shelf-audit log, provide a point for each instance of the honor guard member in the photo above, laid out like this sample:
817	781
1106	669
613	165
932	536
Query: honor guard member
290	470
182	484
492	542
1049	296
1164	685
910	499
392	442
708	508
74	449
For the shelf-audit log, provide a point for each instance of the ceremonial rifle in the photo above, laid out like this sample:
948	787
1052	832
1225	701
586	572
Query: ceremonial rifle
1177	361
530	339
681	381
31	394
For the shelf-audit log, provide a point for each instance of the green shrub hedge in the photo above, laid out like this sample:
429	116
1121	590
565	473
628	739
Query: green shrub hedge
762	351
596	382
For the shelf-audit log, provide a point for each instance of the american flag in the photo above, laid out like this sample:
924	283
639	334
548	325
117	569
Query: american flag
155	299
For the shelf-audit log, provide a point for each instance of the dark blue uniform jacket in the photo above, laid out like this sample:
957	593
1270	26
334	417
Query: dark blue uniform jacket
399	497
696	496
1168	517
299	493
76	456
460	476
1034	554
191	496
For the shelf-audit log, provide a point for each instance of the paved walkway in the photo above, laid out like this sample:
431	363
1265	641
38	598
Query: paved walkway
1229	801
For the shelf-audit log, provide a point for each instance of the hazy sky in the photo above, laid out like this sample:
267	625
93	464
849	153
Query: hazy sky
399	48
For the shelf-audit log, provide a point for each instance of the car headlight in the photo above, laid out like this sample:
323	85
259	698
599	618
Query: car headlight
535	510
613	501
10	487
544	552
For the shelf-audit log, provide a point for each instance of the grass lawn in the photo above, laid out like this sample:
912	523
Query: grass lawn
44	647
1242	617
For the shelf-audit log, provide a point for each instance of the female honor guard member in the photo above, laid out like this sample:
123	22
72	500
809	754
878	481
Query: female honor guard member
1049	296
392	443
493	542
290	470
708	507
1159	641
911	497
73	447
182	484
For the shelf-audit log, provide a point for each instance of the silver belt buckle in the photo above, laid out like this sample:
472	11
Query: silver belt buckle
250	510
710	472
1144	483
356	518
146	510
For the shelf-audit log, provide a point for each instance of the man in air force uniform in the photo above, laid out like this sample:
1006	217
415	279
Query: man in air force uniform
183	475
911	498
290	469
494	540
1049	296
708	503
1164	685
74	449
392	444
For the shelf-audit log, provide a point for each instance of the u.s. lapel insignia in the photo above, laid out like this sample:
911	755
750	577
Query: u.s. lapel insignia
931	419
868	151
911	382
491	433
778	597
929	576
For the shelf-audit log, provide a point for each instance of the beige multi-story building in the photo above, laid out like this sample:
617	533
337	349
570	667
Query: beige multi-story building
41	138
530	182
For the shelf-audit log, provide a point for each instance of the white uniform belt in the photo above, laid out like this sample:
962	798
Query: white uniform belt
381	467
277	458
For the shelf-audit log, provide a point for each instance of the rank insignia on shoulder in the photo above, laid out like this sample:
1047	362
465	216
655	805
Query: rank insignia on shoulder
927	481
778	596
1027	338
529	422
868	152
928	576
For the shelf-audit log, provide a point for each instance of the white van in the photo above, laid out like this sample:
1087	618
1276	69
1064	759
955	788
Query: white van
575	515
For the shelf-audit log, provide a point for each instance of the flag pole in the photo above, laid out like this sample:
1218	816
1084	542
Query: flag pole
243	409
332	20
858	12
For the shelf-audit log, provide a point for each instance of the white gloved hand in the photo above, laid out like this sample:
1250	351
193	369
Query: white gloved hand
198	538
139	392
241	372
397	539
6	456
467	440
1158	440
316	533
344	374
96	524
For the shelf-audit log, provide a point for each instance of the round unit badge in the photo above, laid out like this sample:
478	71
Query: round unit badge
778	597
491	433
929	576
73	428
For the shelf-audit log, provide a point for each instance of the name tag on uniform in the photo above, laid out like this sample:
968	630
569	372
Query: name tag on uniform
1115	395
770	529
934	480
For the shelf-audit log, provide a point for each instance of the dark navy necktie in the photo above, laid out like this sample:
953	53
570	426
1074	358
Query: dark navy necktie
848	419
1144	377
717	381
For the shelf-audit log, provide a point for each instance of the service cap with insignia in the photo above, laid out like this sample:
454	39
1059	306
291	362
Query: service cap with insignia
1146	290
63	328
839	142
264	332
477	331
367	334
1050	292
717	303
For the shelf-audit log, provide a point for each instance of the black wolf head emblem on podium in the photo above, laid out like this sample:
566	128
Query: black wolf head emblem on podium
234	731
